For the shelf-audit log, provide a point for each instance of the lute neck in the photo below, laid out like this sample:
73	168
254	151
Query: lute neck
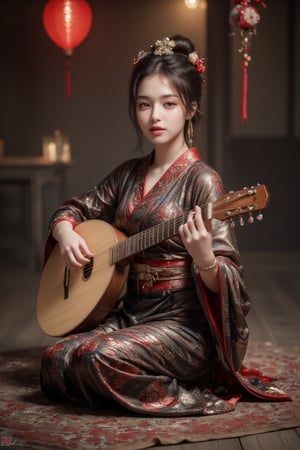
151	236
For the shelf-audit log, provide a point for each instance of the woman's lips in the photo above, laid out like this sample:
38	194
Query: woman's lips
157	131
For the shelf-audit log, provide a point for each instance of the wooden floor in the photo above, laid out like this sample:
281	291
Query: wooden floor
273	281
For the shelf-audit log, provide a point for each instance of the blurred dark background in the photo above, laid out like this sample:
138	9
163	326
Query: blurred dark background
263	149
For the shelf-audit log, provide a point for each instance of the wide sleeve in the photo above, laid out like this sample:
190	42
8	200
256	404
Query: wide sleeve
99	202
226	311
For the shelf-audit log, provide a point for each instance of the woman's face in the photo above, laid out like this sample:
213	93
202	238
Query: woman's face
160	111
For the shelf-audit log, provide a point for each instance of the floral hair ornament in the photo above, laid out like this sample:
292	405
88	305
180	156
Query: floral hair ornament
198	63
159	48
141	55
165	47
246	17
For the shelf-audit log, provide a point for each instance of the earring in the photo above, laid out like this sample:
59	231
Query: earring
190	133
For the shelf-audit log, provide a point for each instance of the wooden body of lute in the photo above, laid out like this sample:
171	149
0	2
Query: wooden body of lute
73	304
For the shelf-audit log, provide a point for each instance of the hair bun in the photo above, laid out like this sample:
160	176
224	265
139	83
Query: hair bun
183	44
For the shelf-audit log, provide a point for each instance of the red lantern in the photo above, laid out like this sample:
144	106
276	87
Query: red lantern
67	23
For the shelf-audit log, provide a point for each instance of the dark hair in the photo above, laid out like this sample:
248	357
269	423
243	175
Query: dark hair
180	71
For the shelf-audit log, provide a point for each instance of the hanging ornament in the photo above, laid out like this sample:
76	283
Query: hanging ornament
245	16
67	23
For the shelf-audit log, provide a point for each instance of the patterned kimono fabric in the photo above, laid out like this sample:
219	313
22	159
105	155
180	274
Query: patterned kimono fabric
170	347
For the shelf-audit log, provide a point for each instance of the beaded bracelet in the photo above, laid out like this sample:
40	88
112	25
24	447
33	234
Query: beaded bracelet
212	266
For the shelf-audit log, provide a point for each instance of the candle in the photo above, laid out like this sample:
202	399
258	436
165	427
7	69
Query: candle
52	154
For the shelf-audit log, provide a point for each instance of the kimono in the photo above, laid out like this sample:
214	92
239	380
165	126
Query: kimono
169	347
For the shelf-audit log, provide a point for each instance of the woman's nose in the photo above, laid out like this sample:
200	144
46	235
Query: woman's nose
155	113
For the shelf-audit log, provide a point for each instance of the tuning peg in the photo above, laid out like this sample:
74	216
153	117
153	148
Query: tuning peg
251	218
259	216
241	220
232	223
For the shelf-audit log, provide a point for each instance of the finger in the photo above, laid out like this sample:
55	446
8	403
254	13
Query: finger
80	257
200	220
198	215
206	225
189	225
196	225
85	250
184	231
180	230
71	260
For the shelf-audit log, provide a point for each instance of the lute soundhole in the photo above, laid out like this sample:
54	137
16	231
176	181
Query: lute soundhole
86	274
88	269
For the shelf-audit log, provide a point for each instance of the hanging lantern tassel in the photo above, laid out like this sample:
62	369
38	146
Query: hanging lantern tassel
244	92
246	17
246	60
68	77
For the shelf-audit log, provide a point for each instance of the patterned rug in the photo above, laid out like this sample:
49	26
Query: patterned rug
30	420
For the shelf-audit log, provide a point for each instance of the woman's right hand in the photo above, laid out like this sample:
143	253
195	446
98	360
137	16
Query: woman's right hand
73	247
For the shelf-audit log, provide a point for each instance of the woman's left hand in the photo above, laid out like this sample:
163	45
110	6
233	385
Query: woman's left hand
197	239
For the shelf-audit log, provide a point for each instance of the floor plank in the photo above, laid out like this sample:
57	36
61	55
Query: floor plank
279	440
220	444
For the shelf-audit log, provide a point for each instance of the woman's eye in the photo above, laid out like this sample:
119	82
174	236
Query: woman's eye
143	105
170	104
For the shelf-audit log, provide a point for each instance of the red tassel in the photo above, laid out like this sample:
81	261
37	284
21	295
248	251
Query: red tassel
244	92
68	76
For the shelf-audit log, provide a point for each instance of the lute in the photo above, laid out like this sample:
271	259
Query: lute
76	300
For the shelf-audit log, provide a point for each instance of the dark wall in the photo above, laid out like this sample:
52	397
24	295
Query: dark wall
263	149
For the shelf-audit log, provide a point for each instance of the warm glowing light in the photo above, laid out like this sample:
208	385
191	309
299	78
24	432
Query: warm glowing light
68	13
191	4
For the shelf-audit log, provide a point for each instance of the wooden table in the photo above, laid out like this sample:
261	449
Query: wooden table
37	172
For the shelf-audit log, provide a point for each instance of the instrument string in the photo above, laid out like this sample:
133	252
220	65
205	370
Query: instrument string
151	236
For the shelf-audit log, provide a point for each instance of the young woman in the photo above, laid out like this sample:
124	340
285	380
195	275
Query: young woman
175	342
